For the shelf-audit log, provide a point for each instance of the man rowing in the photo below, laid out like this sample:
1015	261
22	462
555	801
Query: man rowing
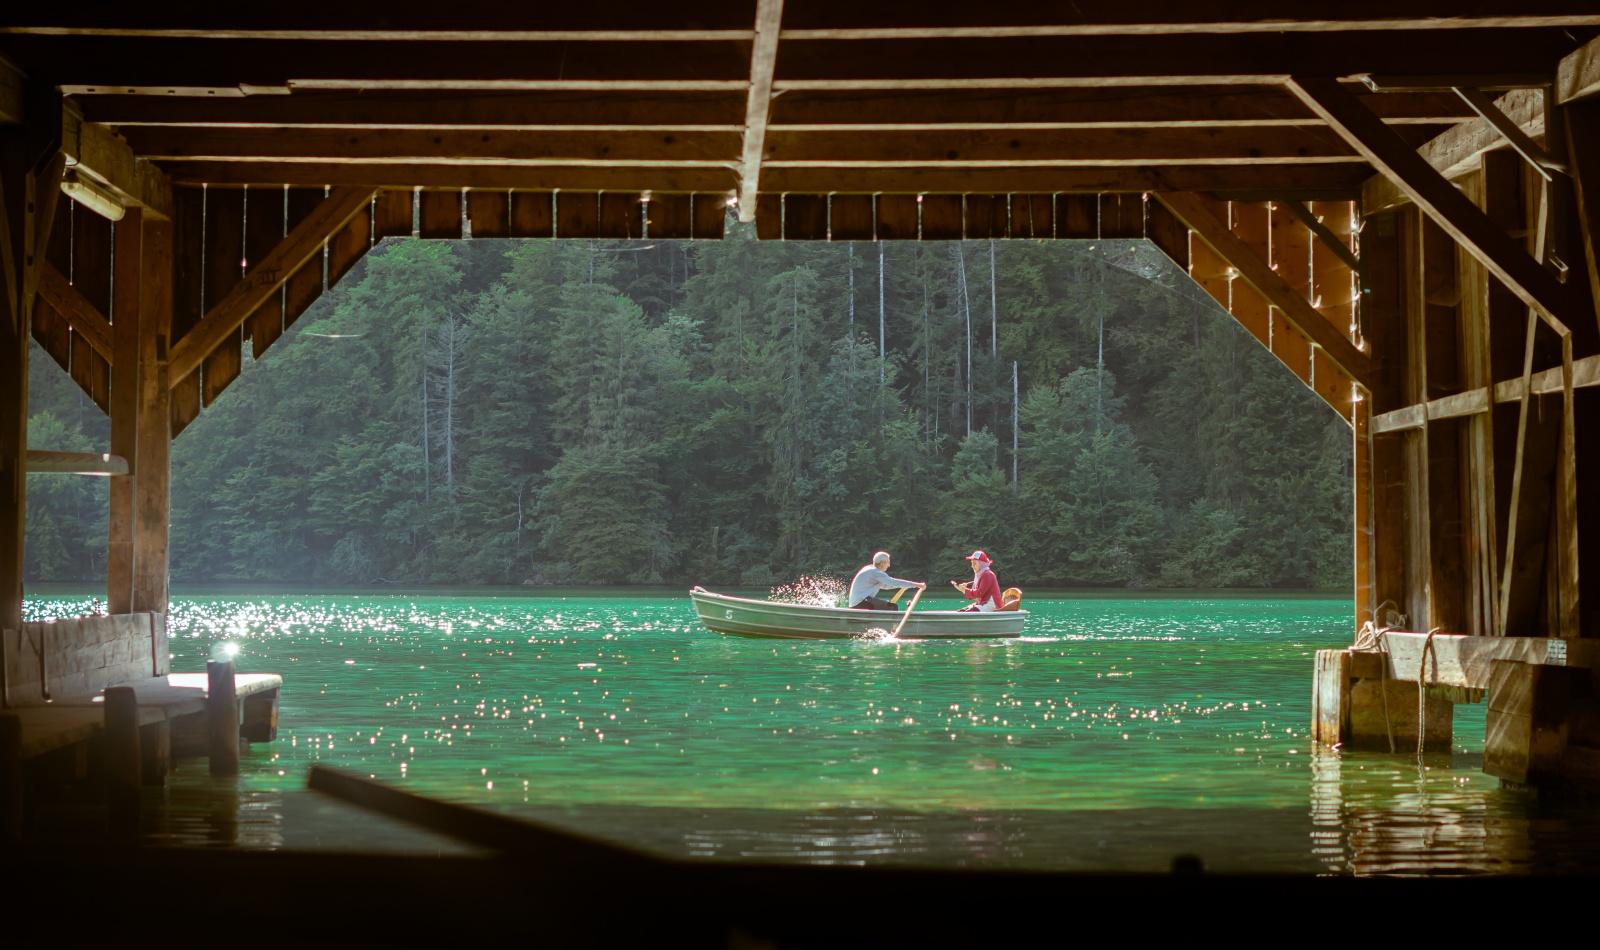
874	578
984	588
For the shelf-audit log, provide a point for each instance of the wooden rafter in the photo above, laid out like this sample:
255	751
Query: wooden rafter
1499	253
100	64
796	111
436	146
763	62
1578	75
1460	147
1192	211
84	318
367	20
264	279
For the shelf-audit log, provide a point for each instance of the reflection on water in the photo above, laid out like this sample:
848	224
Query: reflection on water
1117	735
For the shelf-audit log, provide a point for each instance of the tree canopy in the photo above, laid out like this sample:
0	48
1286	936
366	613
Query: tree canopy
740	412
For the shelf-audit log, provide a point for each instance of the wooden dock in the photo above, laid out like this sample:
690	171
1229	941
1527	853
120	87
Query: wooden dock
92	695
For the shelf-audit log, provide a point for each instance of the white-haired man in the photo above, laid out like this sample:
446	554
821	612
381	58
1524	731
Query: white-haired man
874	578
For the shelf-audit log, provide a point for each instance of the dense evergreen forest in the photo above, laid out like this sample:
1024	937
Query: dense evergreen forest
738	412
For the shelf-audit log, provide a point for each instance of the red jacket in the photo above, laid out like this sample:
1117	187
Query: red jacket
985	589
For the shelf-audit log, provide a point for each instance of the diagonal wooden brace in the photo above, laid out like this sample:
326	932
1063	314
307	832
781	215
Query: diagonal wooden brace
300	246
1498	252
85	319
1192	211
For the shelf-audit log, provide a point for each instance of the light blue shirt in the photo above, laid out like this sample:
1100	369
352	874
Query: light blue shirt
869	580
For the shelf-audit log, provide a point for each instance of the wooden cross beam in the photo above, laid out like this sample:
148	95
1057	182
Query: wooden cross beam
763	62
1192	211
92	150
1497	251
294	251
84	318
1460	147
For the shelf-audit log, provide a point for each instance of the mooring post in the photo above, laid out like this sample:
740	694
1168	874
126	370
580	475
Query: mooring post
10	779
222	718
123	782
155	752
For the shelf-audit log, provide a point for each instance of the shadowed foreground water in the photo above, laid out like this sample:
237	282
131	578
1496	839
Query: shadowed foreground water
1120	732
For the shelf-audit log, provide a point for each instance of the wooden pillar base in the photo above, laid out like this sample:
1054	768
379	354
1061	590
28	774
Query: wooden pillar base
155	750
124	785
222	719
1356	707
1543	727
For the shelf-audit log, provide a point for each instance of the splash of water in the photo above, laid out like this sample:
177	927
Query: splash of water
811	592
877	635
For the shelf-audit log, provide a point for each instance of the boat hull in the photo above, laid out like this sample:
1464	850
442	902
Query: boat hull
741	616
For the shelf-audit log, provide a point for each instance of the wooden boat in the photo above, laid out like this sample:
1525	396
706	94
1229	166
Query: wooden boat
745	617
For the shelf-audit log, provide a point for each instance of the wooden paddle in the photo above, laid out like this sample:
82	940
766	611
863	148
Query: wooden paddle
907	616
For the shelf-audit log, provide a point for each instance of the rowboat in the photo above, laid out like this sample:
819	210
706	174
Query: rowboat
745	617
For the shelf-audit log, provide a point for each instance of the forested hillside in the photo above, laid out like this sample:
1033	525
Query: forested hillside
739	413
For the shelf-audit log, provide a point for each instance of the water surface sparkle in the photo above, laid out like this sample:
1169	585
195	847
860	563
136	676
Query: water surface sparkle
1118	732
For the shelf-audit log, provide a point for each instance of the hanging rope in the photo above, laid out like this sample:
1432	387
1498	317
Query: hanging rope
1422	690
1370	639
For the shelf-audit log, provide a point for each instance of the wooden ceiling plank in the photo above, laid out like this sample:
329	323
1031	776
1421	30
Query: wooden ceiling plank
1059	147
264	279
763	60
1192	211
400	177
85	319
1499	253
395	146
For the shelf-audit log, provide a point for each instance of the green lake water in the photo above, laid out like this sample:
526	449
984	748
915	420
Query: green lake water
1120	731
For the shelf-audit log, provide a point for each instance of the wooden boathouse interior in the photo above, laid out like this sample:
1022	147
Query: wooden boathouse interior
1400	200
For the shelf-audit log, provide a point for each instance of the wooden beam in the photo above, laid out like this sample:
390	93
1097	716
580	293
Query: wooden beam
1510	131
366	20
85	320
1454	212
128	269
75	463
383	175
1119	107
84	64
333	146
1457	150
1013	148
1324	234
264	279
1583	150
763	60
153	450
94	151
1045	61
1578	74
1192	211
427	109
1585	373
1331	181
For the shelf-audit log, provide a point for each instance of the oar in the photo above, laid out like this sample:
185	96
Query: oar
907	616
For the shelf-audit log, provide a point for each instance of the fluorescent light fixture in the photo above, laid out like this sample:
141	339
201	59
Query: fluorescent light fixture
91	195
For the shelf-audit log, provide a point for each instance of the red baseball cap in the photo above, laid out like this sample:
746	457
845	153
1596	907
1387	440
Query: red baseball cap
979	556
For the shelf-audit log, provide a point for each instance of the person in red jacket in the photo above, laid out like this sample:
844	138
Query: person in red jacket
984	588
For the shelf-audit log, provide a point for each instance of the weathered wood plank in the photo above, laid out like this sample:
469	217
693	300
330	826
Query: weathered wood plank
758	104
304	243
125	394
84	318
1578	74
439	214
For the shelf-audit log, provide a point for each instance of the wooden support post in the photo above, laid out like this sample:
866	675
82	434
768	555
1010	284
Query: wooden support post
1385	302
124	786
1440	296
1583	147
155	752
153	443
1526	729
125	392
260	717
222	718
1358	706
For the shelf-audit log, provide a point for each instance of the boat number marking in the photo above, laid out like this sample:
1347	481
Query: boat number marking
727	615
